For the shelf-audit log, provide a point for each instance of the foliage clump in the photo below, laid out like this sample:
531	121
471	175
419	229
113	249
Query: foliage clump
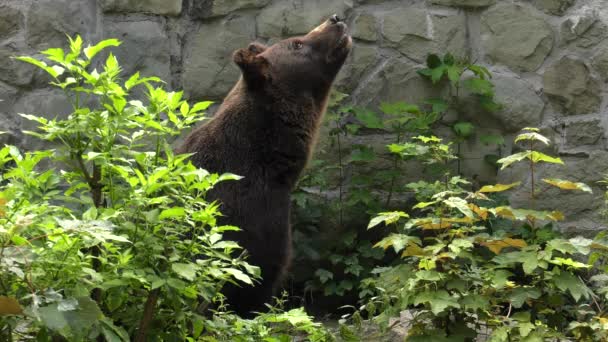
116	241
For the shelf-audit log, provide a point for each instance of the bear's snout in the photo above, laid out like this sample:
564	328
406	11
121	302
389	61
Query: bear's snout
334	19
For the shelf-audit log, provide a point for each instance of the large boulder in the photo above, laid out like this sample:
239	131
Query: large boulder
365	27
396	79
522	107
555	7
571	88
584	30
465	3
292	17
13	71
50	20
11	20
145	46
600	62
586	132
161	7
361	60
208	69
215	8
415	32
516	36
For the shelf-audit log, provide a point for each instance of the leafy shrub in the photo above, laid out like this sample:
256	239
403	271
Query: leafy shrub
341	187
117	241
471	265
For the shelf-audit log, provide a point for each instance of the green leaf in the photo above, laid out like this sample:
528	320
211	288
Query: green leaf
398	108
324	275
568	185
538	157
185	108
437	73
479	86
54	71
387	217
362	154
433	61
77	322
475	302
187	271
397	241
460	204
200	106
172	213
492	139
463	129
519	295
454	73
567	281
91	51
498	187
437	300
368	118
532	136
506	161
54	54
239	275
448	59
438	105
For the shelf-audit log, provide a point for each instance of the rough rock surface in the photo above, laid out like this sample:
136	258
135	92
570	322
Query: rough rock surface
149	51
522	107
555	7
570	86
285	18
214	8
50	20
208	68
464	3
516	36
365	27
416	32
162	7
584	132
11	20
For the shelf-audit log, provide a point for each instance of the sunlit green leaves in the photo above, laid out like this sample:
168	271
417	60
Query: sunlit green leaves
568	185
91	51
498	187
387	217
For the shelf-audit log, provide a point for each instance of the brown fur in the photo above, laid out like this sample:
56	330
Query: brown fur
265	130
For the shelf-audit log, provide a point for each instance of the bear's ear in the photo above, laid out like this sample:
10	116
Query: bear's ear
254	67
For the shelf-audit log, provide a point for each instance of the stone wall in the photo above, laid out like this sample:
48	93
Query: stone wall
549	58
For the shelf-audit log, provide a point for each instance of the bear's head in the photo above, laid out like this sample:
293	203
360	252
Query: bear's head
306	64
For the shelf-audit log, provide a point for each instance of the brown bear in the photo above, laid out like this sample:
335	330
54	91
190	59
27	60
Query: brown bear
264	131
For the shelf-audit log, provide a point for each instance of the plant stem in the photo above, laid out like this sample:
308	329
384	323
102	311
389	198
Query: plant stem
148	316
341	181
395	168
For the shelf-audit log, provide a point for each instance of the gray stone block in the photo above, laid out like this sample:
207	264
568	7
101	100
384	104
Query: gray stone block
216	8
208	69
514	35
571	88
161	7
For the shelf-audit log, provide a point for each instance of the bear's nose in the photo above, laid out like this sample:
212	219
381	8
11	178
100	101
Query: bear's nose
334	19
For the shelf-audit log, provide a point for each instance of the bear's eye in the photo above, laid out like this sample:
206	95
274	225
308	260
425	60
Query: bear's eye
297	45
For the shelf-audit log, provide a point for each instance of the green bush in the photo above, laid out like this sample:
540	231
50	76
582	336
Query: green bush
116	241
472	266
324	194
